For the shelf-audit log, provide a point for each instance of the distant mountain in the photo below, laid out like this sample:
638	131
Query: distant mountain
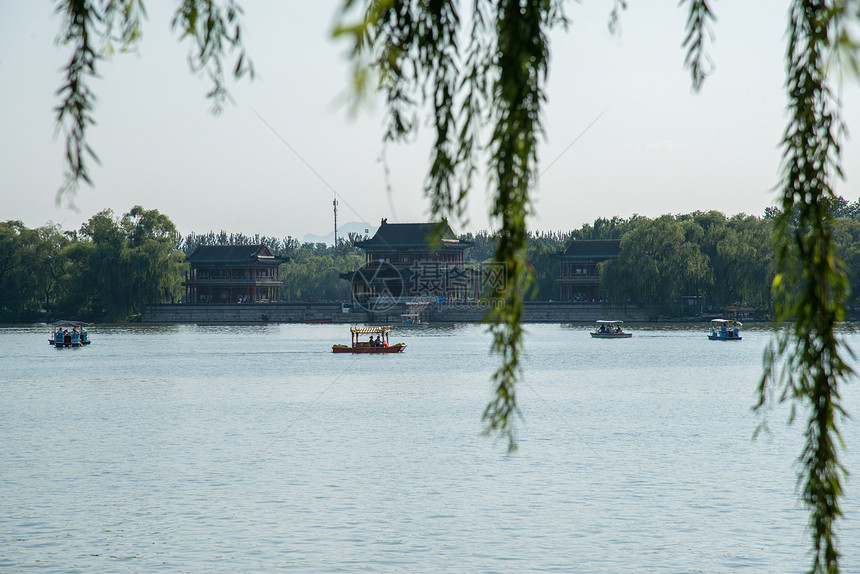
343	231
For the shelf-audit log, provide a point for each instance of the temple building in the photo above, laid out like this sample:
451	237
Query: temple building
579	277
233	274
409	260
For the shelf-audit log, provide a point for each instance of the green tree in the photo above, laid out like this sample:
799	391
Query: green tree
48	266
603	228
842	208
105	273
756	265
727	261
484	245
152	258
280	247
130	262
806	362
311	275
78	297
657	265
19	280
96	30
740	251
846	234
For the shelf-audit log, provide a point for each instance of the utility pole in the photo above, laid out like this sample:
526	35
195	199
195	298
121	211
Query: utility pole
334	203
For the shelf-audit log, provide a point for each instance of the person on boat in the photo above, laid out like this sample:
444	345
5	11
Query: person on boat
370	342
377	343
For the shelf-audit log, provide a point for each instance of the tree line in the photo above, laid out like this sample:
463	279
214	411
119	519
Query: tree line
724	260
112	267
728	261
109	269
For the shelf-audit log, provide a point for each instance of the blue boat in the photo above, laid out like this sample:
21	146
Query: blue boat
62	337
725	330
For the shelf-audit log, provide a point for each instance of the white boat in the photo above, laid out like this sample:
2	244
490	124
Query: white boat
610	330
725	330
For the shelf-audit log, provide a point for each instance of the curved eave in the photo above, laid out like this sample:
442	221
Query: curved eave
423	246
265	260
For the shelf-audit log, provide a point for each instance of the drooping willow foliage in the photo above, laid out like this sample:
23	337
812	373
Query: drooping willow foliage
491	87
807	361
483	79
96	29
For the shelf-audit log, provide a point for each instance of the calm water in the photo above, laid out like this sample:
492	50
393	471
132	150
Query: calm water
255	449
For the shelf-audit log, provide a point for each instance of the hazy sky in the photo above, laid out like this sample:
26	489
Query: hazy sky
657	147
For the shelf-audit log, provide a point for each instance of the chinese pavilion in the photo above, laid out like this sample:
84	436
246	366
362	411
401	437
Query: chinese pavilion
233	274
579	277
405	260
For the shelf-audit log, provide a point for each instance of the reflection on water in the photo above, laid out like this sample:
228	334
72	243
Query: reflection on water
253	448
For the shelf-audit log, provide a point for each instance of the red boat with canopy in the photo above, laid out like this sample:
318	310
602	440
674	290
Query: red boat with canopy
378	345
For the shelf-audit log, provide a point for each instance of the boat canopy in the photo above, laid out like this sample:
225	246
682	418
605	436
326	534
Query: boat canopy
609	322
726	322
369	330
70	324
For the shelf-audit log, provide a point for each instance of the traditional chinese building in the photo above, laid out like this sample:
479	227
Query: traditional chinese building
579	277
408	260
233	274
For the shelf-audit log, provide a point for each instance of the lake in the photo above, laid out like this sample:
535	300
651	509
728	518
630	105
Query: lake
253	448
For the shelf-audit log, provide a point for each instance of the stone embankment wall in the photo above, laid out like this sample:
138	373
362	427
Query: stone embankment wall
533	312
539	312
250	313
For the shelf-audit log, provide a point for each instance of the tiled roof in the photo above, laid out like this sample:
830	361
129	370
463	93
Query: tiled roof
595	248
232	254
411	235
